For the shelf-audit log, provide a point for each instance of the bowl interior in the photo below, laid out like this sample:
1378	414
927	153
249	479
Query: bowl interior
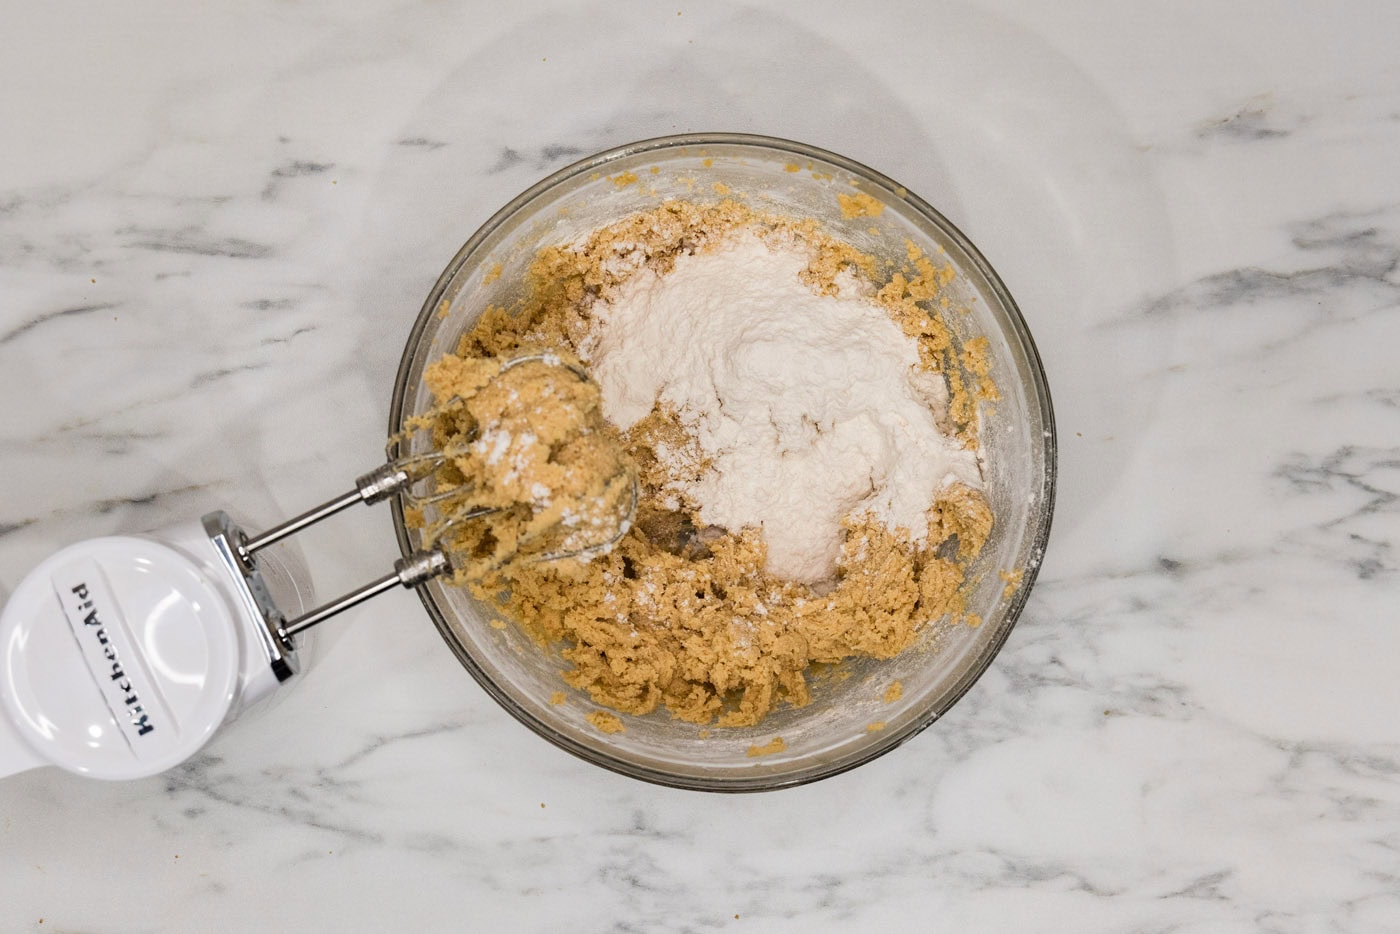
848	721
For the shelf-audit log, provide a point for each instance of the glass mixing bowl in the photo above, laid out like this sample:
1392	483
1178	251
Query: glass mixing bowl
834	732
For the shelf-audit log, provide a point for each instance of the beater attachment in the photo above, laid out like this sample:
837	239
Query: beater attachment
446	490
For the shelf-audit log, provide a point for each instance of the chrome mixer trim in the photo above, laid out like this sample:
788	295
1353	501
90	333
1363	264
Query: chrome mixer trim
251	592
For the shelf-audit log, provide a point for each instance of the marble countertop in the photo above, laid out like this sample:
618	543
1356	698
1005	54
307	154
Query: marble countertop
217	221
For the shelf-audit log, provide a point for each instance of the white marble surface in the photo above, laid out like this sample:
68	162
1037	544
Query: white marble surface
218	219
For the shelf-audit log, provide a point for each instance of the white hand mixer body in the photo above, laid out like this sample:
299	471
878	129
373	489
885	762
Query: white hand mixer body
120	657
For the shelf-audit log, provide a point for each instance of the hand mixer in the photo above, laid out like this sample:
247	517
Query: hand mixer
120	657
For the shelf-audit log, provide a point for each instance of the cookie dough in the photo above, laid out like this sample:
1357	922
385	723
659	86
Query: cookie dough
526	444
678	615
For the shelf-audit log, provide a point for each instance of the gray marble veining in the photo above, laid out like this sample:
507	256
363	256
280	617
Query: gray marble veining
217	222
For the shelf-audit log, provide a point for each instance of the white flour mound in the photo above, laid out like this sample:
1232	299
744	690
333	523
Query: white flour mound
808	407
